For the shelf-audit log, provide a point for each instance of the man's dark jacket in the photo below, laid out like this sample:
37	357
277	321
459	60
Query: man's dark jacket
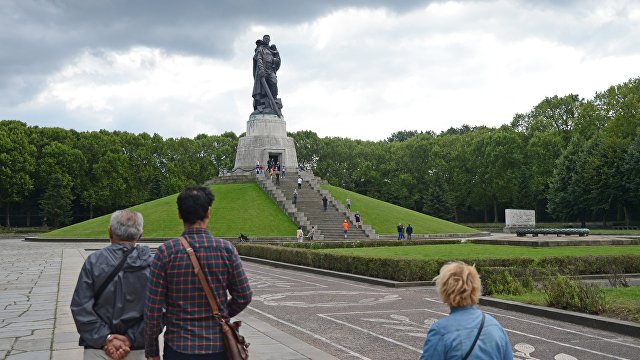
120	309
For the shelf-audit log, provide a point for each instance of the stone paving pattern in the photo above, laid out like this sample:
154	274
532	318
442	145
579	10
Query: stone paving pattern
36	285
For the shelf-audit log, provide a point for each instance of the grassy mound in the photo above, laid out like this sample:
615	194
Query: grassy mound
238	208
385	217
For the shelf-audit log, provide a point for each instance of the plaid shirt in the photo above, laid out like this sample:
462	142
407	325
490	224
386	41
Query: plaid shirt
173	285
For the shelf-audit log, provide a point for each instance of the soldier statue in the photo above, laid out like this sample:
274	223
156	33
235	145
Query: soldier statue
266	62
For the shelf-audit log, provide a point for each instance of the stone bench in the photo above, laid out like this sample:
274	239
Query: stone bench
552	231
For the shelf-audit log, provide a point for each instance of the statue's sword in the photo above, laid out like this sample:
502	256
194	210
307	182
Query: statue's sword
271	99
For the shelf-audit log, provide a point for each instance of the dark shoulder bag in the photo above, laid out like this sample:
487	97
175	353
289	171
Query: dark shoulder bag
466	356
235	345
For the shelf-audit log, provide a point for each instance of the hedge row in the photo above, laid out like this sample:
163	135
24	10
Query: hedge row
425	270
362	244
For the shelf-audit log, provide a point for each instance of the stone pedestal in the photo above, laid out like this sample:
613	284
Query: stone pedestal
266	137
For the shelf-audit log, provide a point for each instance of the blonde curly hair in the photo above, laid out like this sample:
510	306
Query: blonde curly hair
458	284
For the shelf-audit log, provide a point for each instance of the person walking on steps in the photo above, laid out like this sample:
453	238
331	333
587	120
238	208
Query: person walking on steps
345	227
349	204
299	182
325	203
312	233
295	196
358	219
299	234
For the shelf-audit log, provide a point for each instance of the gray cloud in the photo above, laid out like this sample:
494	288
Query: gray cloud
40	36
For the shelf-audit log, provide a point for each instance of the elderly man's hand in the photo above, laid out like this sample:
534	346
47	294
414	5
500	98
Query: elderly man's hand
118	347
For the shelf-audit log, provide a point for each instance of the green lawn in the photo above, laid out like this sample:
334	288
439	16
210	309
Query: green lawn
623	303
385	217
475	251
238	208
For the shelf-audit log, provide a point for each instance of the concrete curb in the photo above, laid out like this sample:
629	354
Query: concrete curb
593	321
361	278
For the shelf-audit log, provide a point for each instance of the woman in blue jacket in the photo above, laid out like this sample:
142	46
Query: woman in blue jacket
467	333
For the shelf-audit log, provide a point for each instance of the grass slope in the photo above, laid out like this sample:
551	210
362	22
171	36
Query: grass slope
475	251
238	208
385	217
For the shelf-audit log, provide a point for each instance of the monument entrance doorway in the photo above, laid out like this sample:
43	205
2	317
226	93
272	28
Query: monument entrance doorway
275	158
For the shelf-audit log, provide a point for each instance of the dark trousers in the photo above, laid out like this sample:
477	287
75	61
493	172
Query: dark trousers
170	354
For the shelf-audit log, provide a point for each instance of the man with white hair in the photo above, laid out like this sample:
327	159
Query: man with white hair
108	302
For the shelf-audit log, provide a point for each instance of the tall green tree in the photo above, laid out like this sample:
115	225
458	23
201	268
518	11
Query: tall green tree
17	164
57	200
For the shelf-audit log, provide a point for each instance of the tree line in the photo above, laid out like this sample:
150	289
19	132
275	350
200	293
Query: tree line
568	158
54	176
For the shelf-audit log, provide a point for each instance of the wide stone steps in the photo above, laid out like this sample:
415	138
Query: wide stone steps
309	202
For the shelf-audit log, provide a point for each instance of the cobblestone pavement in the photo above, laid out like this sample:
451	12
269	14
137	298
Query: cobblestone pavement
36	286
28	292
294	315
350	319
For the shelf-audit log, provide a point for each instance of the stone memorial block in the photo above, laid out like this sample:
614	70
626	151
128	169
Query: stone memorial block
518	219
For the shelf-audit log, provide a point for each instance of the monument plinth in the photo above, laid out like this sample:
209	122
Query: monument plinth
266	139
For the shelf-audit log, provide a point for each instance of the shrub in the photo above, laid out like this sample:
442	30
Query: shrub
503	281
564	293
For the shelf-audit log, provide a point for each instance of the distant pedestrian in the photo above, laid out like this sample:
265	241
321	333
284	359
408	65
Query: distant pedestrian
312	233
284	170
295	196
345	227
277	177
257	167
348	204
358	219
325	203
299	234
409	231
400	231
299	182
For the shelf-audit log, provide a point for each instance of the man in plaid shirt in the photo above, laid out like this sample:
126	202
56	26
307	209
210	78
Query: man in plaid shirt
192	332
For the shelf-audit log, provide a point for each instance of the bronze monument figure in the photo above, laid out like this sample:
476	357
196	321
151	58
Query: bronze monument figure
266	62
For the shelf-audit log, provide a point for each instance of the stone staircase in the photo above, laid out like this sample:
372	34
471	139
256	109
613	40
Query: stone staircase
308	209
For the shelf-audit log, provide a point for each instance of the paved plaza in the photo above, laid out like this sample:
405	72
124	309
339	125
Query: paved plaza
294	315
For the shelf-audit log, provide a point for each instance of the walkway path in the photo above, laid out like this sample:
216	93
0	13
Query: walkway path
294	315
36	285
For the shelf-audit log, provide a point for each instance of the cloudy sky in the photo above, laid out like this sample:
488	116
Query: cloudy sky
352	68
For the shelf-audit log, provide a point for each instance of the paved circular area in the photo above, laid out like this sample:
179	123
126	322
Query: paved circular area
346	319
354	320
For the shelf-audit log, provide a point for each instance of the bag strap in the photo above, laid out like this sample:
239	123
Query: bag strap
205	285
112	275
476	339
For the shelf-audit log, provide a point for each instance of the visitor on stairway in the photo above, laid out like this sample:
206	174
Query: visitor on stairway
345	227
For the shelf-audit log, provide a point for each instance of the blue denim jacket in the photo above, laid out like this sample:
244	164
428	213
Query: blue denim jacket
451	337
